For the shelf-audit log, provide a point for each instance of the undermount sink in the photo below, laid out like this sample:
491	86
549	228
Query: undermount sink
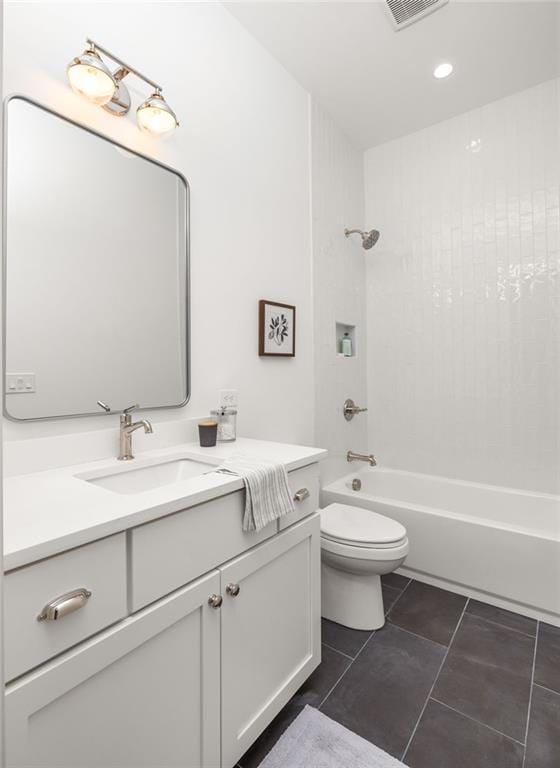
149	477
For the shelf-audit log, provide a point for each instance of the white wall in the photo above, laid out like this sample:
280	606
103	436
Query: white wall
338	289
243	145
463	289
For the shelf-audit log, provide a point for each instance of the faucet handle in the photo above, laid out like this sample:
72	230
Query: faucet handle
131	408
103	405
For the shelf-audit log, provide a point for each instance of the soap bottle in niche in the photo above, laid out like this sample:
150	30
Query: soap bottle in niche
346	345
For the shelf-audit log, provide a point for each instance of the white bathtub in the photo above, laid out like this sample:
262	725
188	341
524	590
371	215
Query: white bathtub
496	544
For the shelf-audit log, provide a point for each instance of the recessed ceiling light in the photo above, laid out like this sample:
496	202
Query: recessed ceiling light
443	70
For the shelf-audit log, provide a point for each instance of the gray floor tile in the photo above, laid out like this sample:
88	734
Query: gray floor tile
343	639
390	594
395	580
547	664
428	611
446	739
487	675
503	617
543	739
312	692
383	692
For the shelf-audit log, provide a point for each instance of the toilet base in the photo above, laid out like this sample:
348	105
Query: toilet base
351	599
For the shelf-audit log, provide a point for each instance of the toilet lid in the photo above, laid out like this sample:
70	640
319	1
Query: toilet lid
359	526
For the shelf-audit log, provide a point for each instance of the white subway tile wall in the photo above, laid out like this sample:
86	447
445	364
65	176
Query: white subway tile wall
338	289
463	295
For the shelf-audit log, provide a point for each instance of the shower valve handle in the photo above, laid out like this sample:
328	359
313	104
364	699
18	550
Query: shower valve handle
350	409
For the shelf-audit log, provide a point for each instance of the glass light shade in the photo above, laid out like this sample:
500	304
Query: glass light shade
156	116
89	77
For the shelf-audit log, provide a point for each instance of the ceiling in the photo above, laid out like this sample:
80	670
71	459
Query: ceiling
377	83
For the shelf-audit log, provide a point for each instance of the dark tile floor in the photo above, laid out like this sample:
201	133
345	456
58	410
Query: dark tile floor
446	683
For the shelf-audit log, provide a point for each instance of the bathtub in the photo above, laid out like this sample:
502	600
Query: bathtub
496	544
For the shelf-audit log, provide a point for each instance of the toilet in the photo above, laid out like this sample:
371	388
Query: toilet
358	546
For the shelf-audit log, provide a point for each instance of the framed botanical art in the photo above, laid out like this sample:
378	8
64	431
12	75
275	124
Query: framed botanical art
277	329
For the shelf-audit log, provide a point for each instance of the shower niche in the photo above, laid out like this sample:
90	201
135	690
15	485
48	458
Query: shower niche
345	340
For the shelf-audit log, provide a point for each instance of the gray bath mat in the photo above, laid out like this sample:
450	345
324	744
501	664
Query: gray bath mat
313	740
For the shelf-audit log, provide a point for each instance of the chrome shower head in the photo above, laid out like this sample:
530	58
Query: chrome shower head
369	239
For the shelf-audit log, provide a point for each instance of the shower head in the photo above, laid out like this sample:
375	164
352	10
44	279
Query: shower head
369	239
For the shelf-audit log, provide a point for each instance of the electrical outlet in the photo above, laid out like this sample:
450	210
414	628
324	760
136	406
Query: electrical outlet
20	383
229	398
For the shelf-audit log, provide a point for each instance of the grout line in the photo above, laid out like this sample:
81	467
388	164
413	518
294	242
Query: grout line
546	688
415	634
346	655
530	695
435	680
359	652
479	722
503	626
345	671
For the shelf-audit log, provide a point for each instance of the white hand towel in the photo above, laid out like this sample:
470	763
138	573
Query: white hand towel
267	494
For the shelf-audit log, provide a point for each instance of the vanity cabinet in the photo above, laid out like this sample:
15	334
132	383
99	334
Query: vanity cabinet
270	632
189	681
143	694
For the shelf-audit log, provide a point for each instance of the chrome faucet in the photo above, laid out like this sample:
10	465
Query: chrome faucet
127	428
370	458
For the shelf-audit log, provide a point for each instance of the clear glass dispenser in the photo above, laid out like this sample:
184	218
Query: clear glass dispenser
227	424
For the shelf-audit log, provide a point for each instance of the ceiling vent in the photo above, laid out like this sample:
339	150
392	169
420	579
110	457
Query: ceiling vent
405	12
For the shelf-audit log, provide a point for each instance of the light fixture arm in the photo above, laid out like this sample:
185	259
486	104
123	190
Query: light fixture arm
125	69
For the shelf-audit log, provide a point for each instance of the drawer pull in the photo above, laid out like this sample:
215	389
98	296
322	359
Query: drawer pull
214	601
233	589
65	604
301	495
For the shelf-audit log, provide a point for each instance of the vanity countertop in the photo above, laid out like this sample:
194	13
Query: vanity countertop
51	511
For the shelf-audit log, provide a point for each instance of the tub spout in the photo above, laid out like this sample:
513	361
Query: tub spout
369	458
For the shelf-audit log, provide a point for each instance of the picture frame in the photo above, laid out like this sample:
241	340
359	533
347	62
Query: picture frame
277	329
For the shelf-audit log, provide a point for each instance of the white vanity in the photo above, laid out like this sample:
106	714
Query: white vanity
143	627
190	634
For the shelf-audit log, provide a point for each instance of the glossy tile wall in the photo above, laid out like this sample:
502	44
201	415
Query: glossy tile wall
463	294
338	289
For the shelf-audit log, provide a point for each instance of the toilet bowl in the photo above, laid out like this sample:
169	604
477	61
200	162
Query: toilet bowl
358	546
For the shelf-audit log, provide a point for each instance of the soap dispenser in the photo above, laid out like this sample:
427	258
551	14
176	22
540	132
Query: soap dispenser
346	345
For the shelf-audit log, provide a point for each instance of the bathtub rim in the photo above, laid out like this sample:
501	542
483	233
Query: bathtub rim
340	488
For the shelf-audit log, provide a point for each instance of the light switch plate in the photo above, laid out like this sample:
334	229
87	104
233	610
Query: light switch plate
20	383
229	397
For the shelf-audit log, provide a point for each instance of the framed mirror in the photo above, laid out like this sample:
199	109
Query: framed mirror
96	272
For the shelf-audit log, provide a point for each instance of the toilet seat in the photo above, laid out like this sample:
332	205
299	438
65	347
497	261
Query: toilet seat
351	526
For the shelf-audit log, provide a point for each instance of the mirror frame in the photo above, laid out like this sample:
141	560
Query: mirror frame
21	97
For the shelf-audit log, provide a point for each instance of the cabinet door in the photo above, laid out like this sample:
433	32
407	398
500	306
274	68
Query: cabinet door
270	632
143	694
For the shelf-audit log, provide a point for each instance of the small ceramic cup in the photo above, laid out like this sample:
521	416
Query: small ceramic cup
207	432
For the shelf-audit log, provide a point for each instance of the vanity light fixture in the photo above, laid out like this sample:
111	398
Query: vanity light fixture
90	77
156	116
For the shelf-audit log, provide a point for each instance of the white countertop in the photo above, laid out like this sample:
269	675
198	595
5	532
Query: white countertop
52	511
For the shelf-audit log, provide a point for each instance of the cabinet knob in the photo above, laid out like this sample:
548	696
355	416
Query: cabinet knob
214	601
67	603
301	495
233	589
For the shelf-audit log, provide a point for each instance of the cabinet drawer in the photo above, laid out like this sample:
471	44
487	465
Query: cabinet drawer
170	552
304	479
99	568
